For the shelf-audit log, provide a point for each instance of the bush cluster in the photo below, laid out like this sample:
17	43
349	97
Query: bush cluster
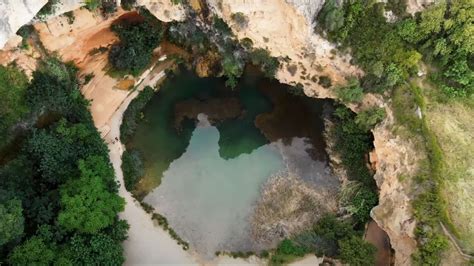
132	115
132	167
328	237
353	143
60	187
137	41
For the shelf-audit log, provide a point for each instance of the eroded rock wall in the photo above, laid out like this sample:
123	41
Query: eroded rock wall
396	161
164	10
285	29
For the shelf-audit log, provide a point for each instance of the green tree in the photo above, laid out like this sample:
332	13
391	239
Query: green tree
32	252
132	167
88	206
355	251
11	219
13	85
353	92
367	119
137	41
96	249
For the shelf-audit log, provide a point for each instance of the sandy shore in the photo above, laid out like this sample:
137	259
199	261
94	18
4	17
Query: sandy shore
147	243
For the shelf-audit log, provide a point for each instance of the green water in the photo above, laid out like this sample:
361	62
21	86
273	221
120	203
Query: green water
206	178
160	143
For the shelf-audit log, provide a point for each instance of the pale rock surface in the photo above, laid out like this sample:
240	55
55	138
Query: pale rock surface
26	60
67	5
164	10
14	14
285	29
414	6
395	159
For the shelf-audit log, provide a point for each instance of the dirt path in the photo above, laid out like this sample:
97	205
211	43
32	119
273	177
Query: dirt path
146	243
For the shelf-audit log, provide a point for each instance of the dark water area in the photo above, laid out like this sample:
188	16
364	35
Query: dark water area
379	238
205	174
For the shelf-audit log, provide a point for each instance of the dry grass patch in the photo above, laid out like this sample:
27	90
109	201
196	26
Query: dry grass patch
453	125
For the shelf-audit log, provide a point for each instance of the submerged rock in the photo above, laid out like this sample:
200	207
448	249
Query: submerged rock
287	206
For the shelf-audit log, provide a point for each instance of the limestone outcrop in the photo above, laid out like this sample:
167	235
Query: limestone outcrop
285	29
14	14
396	160
164	10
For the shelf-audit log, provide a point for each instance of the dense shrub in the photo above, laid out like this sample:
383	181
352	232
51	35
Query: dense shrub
137	41
132	115
13	85
367	119
48	9
63	179
353	142
240	19
330	237
268	64
286	252
374	43
350	93
132	167
128	4
355	251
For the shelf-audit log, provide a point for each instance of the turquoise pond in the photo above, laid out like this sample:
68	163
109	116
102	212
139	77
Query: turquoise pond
206	177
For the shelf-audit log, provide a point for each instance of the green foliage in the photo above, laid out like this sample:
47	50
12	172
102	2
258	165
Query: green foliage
48	9
87	204
353	143
364	199
128	4
132	167
97	249
268	64
109	6
187	35
398	7
70	17
240	19
132	115
55	89
329	230
331	17
137	41
430	251
325	81
32	252
374	43
329	237
92	4
11	219
286	252
59	148
13	84
351	93
232	69
443	32
355	251
61	175
367	119
221	26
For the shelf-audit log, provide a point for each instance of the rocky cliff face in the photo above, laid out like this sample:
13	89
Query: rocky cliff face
396	160
164	10
285	29
14	14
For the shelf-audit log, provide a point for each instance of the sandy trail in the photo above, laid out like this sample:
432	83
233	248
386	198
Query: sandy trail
147	243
